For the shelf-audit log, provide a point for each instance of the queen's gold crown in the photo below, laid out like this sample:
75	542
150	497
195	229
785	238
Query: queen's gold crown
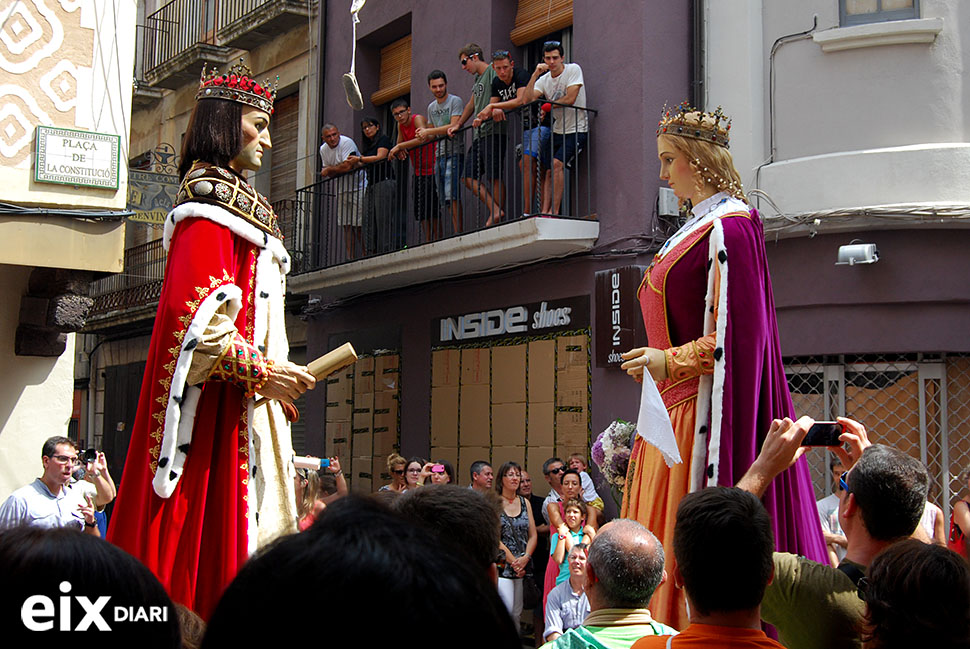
237	85
687	121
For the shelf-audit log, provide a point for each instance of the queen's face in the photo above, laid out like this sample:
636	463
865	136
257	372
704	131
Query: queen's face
676	170
255	132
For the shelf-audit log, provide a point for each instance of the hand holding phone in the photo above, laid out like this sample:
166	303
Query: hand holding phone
824	433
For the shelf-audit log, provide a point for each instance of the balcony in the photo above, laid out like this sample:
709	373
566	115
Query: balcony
131	295
248	23
382	227
180	37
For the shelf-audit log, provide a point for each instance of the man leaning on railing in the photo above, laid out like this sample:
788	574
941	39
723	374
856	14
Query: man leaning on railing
339	155
563	85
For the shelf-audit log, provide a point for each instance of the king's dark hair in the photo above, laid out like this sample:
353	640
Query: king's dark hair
214	134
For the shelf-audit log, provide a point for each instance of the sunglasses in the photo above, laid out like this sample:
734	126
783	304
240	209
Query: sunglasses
552	44
500	54
464	61
559	470
397	471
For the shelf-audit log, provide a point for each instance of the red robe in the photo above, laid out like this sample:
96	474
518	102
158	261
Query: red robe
184	504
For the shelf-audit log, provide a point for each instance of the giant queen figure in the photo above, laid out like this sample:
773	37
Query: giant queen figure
715	355
209	476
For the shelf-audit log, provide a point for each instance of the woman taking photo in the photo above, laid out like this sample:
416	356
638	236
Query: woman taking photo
710	316
519	538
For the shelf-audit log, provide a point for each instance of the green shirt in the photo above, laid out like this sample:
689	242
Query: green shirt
621	636
482	94
813	606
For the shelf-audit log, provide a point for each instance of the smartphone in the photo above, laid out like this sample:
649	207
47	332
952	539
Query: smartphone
824	433
438	468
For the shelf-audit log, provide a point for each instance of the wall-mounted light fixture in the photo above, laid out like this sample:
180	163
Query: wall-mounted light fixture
857	253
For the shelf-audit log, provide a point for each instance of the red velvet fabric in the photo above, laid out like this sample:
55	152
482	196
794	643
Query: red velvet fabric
196	540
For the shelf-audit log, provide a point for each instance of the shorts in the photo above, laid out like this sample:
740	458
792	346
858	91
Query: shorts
486	156
448	177
535	140
425	198
566	147
349	208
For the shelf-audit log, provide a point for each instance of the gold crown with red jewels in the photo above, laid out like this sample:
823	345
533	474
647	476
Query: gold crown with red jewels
687	121
237	85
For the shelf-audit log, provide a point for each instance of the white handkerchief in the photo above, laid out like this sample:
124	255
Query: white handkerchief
653	422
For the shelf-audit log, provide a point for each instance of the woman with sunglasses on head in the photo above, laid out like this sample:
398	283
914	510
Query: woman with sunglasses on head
396	467
715	353
519	538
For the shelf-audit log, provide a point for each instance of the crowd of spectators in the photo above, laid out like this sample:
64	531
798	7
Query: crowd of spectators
428	553
553	132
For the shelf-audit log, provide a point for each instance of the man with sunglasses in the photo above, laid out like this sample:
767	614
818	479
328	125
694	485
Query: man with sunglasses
51	500
487	151
881	502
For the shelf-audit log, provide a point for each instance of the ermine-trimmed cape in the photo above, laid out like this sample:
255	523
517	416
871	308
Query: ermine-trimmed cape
203	465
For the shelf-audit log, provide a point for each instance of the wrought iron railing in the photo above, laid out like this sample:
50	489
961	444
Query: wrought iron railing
176	27
394	204
139	284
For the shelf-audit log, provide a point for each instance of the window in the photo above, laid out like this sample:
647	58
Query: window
395	79
858	12
537	17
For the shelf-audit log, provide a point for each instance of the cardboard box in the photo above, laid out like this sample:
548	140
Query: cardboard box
445	367
449	453
508	374
444	416
363	443
571	351
508	424
542	370
364	375
572	429
503	454
467	455
339	410
572	387
363	412
338	388
475	366
385	403
379	474
534	457
361	475
387	373
336	432
384	443
339	449
542	424
473	416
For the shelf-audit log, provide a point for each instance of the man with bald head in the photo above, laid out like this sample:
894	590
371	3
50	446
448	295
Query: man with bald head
624	567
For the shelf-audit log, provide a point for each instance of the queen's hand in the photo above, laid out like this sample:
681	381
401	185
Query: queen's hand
645	357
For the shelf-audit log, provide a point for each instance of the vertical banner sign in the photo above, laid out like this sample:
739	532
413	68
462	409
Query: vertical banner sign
618	323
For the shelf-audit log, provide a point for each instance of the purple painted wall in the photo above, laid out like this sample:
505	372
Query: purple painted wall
911	300
635	56
614	394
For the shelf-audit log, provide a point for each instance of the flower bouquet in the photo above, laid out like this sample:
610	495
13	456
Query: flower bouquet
611	453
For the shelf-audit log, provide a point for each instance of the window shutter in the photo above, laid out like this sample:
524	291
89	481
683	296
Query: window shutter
536	18
395	77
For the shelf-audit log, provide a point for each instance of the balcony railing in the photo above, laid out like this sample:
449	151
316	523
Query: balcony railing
177	37
396	204
138	285
247	23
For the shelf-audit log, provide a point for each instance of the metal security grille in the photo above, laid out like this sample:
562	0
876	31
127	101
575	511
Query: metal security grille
919	403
